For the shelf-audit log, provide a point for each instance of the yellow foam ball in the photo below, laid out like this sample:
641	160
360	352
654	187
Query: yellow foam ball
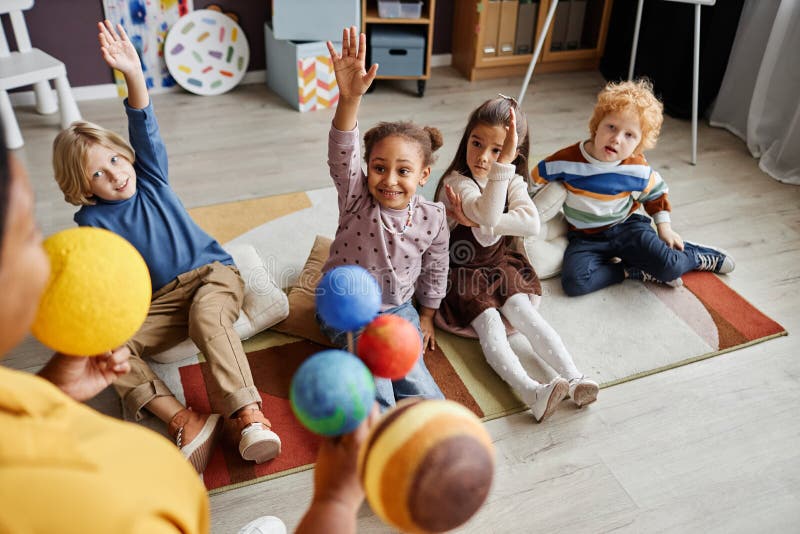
98	294
427	465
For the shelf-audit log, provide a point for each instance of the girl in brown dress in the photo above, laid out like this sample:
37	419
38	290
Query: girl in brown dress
488	207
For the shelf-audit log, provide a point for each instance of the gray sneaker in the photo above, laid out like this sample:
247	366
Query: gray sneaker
638	274
713	259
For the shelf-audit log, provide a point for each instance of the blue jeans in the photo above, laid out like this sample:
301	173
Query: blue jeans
417	383
586	260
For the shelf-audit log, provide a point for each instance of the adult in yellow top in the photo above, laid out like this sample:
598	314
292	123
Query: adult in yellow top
63	466
69	469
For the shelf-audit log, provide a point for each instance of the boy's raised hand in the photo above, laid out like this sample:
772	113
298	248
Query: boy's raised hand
118	52
509	151
351	75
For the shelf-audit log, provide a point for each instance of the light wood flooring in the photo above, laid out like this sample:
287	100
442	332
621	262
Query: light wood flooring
709	447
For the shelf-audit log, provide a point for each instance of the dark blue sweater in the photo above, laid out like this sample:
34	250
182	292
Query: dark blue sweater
154	220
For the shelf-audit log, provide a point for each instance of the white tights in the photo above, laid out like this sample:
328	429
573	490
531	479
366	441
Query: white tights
545	342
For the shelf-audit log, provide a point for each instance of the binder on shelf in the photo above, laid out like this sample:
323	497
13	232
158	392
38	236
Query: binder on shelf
526	26
577	10
558	39
508	27
491	28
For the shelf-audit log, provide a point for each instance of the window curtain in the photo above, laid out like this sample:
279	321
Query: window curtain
759	99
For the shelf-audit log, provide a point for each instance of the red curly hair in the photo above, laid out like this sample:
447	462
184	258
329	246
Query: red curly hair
637	96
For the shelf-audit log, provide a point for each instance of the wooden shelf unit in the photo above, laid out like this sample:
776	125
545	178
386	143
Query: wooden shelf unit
369	18
469	25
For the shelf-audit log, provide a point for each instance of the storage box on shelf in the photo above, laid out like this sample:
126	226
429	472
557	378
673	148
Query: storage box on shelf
314	20
414	18
575	40
301	72
399	9
400	51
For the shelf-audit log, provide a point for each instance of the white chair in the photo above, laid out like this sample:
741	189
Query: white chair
30	66
696	65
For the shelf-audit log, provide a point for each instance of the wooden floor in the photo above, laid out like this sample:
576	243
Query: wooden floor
710	447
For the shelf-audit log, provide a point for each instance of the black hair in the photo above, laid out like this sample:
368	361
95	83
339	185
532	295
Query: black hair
493	112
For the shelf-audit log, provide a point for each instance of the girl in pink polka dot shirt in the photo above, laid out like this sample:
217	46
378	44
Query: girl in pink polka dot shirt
384	226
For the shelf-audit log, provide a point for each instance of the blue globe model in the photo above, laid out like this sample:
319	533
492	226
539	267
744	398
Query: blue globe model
348	298
332	392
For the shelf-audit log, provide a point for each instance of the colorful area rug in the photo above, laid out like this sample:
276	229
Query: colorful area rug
619	334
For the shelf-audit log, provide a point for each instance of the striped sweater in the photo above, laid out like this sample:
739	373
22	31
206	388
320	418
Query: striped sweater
602	194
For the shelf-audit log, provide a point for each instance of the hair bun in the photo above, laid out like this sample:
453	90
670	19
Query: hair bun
437	139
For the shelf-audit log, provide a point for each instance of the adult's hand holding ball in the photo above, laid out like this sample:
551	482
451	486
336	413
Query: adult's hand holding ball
98	294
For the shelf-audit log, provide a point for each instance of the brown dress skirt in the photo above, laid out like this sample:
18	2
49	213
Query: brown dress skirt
483	277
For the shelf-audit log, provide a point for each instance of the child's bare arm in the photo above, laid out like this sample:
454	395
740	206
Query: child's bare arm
351	76
119	53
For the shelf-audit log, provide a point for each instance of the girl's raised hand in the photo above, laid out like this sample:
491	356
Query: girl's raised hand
118	52
509	151
351	75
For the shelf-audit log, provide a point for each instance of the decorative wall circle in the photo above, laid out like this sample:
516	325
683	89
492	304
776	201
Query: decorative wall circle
206	52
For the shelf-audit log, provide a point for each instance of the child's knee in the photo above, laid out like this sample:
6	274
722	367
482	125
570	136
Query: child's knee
575	287
574	284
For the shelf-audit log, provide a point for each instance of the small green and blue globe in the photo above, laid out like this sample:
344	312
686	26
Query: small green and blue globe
332	392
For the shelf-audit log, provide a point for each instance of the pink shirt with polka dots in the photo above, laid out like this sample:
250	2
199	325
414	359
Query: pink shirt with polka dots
412	264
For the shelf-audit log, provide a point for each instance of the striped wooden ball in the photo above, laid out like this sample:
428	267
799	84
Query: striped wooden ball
427	465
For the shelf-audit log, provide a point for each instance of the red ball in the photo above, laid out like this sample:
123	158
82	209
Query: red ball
390	346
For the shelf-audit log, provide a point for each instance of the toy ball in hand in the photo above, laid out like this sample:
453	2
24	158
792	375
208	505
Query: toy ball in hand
390	346
98	294
348	297
427	465
332	392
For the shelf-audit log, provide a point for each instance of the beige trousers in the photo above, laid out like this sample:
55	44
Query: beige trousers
205	303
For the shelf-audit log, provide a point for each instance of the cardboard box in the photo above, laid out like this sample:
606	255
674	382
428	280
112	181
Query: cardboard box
314	20
301	72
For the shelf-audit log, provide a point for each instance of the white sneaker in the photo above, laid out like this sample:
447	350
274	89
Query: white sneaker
548	397
583	391
258	443
268	524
